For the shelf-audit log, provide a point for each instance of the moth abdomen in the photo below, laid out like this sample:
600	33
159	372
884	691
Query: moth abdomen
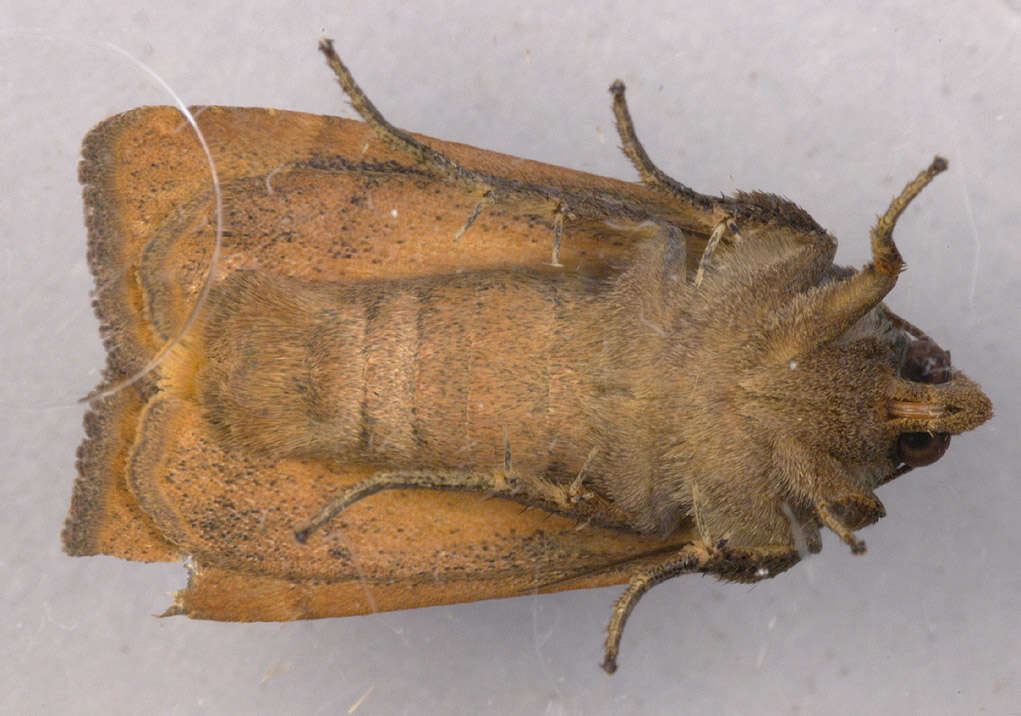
444	372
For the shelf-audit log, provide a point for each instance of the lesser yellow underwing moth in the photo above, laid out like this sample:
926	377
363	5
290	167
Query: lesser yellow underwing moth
407	339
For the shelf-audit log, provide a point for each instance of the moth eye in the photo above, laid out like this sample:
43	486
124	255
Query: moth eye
918	449
925	362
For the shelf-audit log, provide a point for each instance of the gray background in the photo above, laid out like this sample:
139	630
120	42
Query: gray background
835	108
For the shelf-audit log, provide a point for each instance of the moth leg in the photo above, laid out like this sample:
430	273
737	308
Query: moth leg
746	565
843	506
840	503
688	560
885	255
725	231
569	500
650	174
834	308
574	491
848	513
398	139
399	480
439	164
839	528
486	200
558	235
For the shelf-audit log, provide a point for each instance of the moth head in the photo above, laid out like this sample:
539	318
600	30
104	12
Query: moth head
930	401
857	412
839	421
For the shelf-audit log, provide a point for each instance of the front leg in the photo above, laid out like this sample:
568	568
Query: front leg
839	502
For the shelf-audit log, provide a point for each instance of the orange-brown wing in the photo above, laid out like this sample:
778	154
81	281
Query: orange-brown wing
320	198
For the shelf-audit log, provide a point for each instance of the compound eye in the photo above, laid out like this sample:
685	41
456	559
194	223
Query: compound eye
918	449
925	362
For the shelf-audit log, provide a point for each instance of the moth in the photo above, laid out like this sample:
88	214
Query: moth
405	341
